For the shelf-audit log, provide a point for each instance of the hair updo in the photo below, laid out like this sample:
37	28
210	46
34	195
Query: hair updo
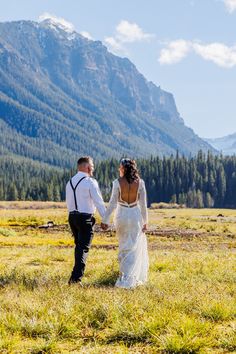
130	170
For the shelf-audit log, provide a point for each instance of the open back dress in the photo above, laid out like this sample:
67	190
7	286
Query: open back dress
129	219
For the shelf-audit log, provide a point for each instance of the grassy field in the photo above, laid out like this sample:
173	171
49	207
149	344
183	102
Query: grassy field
188	305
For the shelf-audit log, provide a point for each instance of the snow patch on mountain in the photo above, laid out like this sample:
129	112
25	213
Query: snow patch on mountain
56	23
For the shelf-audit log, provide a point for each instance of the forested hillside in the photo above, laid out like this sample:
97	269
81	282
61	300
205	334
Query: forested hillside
62	95
202	181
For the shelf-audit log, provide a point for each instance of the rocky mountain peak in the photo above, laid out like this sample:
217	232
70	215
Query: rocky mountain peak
61	90
56	23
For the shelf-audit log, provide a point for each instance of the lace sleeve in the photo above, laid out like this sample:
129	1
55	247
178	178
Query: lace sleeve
112	203
143	202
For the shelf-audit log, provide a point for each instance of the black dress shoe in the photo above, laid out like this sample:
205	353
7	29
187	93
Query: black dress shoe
75	282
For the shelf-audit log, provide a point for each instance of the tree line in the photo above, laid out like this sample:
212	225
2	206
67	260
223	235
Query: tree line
205	180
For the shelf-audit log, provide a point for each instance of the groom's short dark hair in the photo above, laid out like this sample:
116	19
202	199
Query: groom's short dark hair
84	159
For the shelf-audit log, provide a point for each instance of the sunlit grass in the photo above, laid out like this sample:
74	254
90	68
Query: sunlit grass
188	305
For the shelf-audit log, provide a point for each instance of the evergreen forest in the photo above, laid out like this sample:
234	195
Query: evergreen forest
205	180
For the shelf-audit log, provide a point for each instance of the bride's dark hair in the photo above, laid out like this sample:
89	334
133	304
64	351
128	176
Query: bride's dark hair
130	170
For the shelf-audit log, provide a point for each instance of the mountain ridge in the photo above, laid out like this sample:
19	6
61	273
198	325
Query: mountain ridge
225	144
63	91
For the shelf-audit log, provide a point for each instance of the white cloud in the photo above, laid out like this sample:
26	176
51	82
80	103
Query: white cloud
126	32
218	53
114	45
175	52
230	5
86	35
57	21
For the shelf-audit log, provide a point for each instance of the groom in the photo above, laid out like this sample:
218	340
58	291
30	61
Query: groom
82	198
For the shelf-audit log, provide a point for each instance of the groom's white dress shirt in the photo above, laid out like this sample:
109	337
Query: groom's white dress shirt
88	195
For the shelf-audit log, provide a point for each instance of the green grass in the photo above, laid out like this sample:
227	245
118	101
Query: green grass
6	232
188	305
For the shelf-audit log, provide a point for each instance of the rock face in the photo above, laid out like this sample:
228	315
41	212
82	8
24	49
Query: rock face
226	144
62	95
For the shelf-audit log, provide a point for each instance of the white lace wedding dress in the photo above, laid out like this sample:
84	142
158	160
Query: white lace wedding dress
129	220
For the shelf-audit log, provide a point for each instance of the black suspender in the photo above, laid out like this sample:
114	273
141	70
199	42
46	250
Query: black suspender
74	188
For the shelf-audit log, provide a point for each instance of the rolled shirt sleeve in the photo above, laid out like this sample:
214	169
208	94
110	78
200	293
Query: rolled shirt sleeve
67	196
97	197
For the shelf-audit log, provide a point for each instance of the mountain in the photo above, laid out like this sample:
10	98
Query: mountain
226	144
62	95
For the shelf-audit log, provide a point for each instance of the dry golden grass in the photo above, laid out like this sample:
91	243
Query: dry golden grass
188	306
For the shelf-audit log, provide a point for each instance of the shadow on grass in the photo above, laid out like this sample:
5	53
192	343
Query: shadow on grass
107	279
129	339
29	281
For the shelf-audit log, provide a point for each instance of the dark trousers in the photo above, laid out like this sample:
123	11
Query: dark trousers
82	228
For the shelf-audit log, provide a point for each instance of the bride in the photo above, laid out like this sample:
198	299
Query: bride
129	199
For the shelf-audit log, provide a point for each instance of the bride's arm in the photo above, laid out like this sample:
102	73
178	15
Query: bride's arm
112	203
143	202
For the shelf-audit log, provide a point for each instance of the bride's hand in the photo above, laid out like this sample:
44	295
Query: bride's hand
144	227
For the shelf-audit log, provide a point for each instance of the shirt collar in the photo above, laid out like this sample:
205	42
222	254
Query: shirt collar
83	174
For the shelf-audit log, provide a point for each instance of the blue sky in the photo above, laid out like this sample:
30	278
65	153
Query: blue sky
188	47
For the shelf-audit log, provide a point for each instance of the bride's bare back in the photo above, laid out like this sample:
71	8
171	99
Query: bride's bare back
128	191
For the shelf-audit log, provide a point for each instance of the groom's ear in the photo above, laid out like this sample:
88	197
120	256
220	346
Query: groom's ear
89	169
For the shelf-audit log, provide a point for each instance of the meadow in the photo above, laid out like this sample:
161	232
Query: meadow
188	305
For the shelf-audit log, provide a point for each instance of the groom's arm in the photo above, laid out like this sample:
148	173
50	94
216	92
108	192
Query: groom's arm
68	196
97	197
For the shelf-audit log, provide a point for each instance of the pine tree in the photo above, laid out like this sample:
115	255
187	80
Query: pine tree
12	192
56	193
209	202
199	200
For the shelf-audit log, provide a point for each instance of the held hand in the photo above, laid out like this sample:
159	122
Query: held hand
144	227
104	226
